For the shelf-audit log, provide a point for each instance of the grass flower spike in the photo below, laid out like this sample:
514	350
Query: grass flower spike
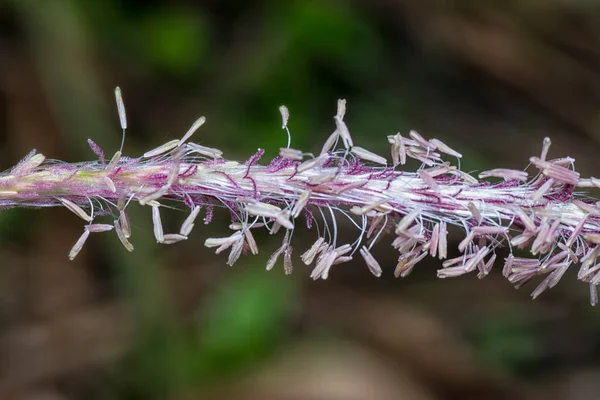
539	209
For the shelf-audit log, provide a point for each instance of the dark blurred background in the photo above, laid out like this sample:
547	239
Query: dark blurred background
490	78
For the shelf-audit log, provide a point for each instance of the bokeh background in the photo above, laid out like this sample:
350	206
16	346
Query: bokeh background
490	78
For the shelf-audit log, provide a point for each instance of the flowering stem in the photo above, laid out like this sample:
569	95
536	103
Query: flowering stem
542	212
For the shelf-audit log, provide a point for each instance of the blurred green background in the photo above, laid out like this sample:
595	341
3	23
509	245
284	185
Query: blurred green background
490	78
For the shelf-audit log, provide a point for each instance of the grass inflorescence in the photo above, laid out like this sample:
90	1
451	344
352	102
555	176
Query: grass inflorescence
538	210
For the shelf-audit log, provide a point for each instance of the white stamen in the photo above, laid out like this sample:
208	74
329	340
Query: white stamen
474	211
352	185
324	262
301	203
188	224
197	124
158	229
128	246
440	170
465	242
506	271
521	240
251	242
398	149
287	260
344	132
110	184
435	236
124	222
538	244
291	154
121	108
205	151
341	108
380	204
407	267
368	155
427	157
402	149
328	145
312	163
467	178
113	162
162	149
545	147
395	154
428	179
171	238
229	240
506	174
76	209
593	294
284	219
406	221
340	260
157	194
479	256
489	230
441	146
550	237
375	222
236	251
273	259
99	227
285	116
561	173
443	241
262	209
542	190
487	267
308	257
323	177
420	140
529	224
373	265
577	231
79	244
